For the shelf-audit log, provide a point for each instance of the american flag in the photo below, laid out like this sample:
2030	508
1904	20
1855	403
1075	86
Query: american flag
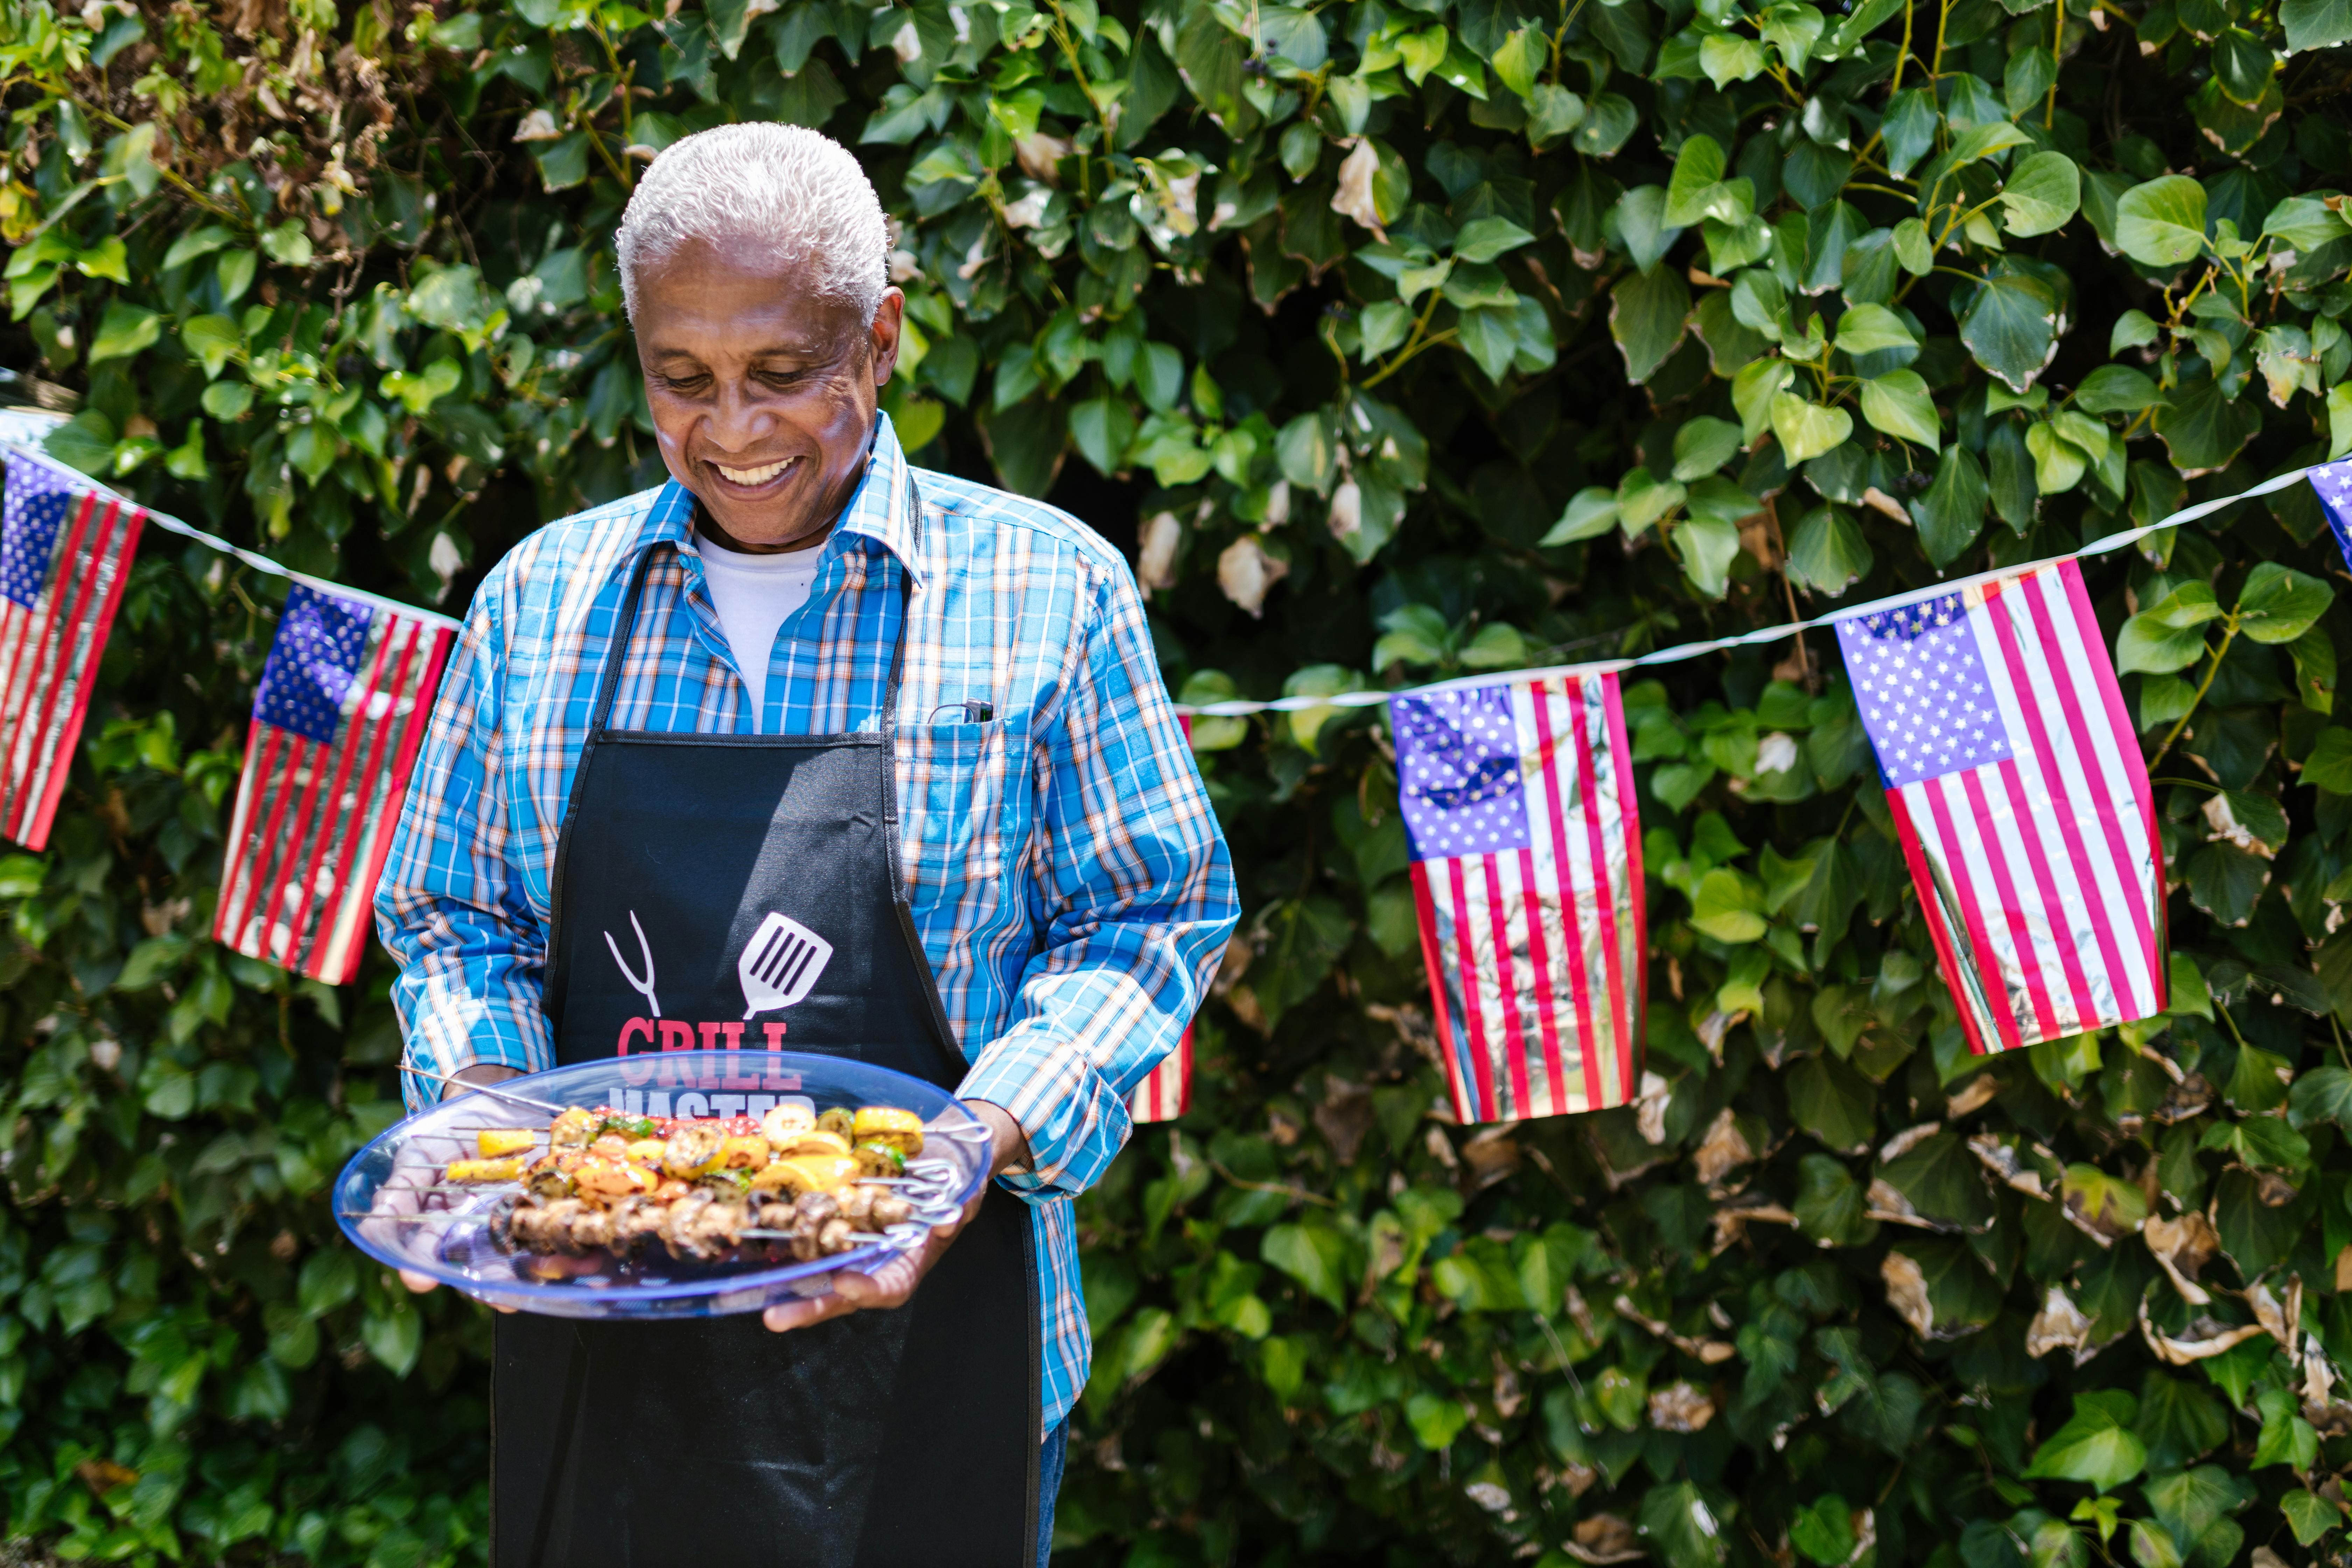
1525	848
2023	804
64	550
337	722
2333	483
1166	1093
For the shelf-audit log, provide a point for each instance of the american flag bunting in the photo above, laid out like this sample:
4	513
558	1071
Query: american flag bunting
337	722
2333	481
64	552
1526	851
2021	803
1166	1091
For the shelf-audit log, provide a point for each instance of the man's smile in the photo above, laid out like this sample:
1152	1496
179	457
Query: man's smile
754	479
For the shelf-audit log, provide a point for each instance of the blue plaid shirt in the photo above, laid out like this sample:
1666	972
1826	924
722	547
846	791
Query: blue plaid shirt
1073	914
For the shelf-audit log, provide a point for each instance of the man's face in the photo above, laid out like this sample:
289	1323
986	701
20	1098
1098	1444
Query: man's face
762	393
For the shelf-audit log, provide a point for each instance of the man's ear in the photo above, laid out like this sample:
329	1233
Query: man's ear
889	317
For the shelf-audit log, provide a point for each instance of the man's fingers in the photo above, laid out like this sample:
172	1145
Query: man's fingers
851	1290
801	1314
419	1283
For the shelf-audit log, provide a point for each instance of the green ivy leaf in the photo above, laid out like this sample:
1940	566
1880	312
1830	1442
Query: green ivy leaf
2279	604
2042	192
1435	1420
1827	552
1834	1104
2309	1515
1867	328
1806	430
2116	389
1824	1530
2009	325
2168	635
2315	24
2179	1420
1314	1256
1898	403
2286	1437
2162	222
1685	1526
1951	512
1647	313
2204	428
2098	1445
1942	1181
1728	907
125	330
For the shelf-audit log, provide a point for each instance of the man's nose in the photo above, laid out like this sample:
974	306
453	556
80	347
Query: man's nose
739	421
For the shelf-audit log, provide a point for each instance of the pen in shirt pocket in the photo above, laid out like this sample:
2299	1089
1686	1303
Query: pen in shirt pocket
978	711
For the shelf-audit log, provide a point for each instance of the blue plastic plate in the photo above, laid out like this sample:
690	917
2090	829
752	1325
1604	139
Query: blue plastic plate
391	1202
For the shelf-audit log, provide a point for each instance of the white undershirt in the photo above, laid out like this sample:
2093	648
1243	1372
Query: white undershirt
753	594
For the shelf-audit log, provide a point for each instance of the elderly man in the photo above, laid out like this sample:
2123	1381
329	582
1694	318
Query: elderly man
920	718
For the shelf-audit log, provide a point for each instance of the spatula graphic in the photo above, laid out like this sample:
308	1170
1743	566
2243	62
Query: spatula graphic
779	964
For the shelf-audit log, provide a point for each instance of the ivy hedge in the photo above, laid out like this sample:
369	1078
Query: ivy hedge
1396	338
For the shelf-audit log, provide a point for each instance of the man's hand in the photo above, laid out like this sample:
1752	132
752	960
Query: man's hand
893	1284
482	1072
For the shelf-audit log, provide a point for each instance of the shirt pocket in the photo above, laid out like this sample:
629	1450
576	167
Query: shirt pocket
965	795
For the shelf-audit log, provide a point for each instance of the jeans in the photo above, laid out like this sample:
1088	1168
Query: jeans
1049	1485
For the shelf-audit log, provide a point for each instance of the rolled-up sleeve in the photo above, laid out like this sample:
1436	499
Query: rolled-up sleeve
1131	892
449	908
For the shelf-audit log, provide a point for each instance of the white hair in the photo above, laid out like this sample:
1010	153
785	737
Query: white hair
795	190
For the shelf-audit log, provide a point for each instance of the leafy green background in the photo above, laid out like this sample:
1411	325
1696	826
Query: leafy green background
1396	339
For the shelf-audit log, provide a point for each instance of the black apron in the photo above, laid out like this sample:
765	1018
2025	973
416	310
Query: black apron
882	1438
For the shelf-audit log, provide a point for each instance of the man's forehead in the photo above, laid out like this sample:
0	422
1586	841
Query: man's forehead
750	325
744	278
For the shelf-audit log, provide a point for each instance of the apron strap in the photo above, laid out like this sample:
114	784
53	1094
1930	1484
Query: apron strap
951	1067
600	713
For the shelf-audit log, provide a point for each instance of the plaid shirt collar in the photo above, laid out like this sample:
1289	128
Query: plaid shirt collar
882	514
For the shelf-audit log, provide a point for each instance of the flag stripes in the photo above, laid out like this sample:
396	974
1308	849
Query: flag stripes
62	588
1166	1091
317	803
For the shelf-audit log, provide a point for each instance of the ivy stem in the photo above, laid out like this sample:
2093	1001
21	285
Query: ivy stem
1288	1192
1903	57
1070	53
2229	636
178	181
1413	345
2057	43
620	76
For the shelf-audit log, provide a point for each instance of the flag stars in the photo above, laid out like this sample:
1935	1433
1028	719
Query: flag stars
1929	710
1460	772
313	663
40	494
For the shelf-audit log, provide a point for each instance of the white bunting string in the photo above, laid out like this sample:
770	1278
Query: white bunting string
258	562
1241	707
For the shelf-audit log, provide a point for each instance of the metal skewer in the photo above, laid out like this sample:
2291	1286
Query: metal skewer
487	1088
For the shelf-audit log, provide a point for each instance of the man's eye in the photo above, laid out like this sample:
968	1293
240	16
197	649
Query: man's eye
686	384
